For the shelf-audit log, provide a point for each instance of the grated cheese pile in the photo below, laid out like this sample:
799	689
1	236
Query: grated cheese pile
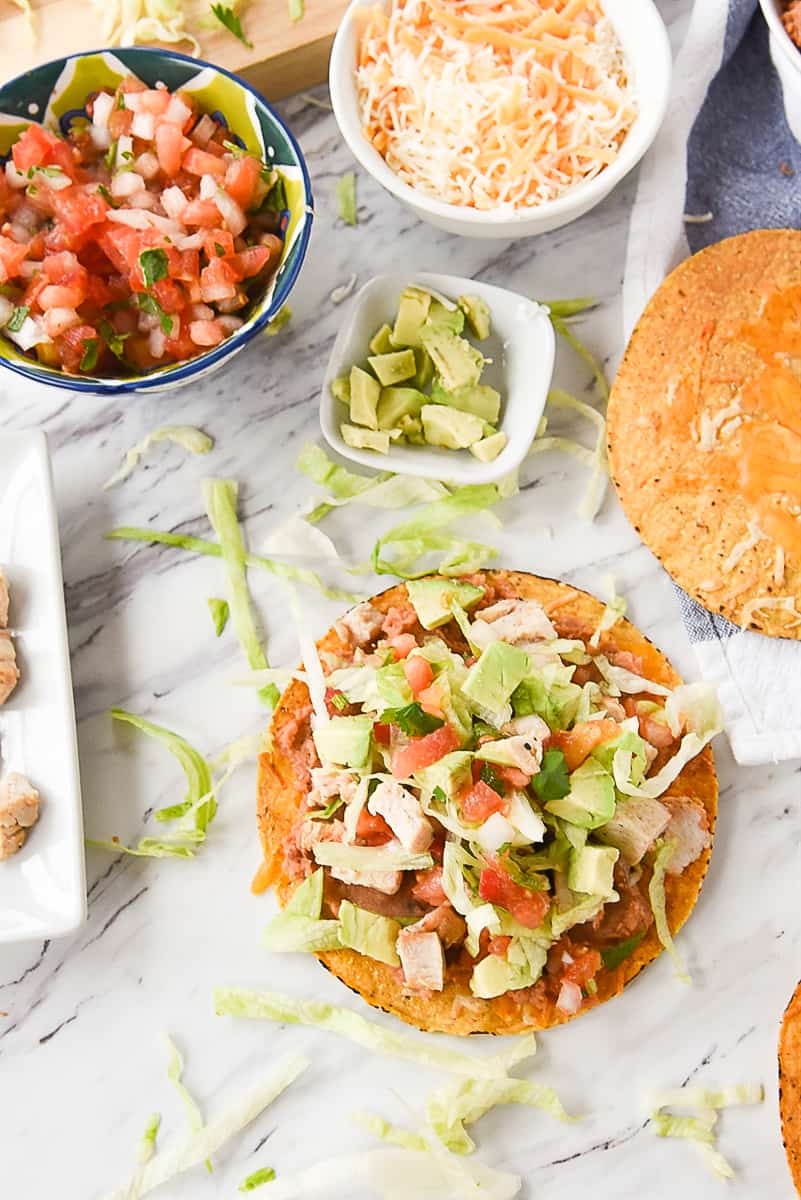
494	104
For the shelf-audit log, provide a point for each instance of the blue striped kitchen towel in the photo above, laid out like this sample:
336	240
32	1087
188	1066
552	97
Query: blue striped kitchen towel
725	149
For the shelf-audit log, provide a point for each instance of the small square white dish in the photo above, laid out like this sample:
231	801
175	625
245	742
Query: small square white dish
521	348
43	886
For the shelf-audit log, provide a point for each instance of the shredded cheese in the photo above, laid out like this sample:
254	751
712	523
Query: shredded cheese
494	104
128	22
778	568
782	603
710	425
755	536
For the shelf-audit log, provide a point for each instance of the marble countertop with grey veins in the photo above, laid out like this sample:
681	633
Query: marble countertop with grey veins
81	1048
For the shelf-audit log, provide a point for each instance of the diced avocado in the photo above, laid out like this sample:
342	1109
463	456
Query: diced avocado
450	773
392	688
381	342
395	367
431	599
340	389
412	430
440	317
478	315
491	681
397	402
521	968
480	399
368	933
489	447
591	799
345	741
448	427
457	362
364	394
635	826
425	368
591	870
365	439
412	312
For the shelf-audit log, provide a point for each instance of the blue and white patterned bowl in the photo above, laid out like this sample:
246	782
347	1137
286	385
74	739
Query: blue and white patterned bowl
56	92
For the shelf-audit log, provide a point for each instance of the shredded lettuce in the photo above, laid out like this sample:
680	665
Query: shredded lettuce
346	198
696	1097
559	311
656	891
263	1175
193	440
392	1134
299	927
699	1129
195	1149
620	679
145	1150
348	487
199	793
464	1101
594	459
615	609
704	721
149	847
175	1070
414	539
281	318
220	612
370	858
273	1006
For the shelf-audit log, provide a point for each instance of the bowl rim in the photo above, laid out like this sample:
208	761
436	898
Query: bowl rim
101	385
770	11
574	202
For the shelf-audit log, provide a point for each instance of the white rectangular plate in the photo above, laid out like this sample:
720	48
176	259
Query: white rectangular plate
43	887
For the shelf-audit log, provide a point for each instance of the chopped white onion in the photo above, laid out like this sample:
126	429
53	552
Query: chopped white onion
494	833
192	241
29	268
201	312
125	184
124	151
147	165
56	182
15	179
32	333
133	101
140	219
231	213
58	320
230	323
143	199
157	340
6	309
102	109
204	130
569	1000
144	126
177	113
173	201
208	187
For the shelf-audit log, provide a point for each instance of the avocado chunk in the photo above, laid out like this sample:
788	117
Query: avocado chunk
457	362
340	389
425	368
488	449
364	394
395	367
478	315
345	741
450	428
397	402
371	935
431	599
412	312
591	870
381	342
480	399
412	429
365	439
440	317
591	799
450	774
491	681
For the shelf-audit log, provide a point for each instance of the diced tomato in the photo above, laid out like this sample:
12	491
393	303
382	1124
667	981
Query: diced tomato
186	266
419	673
499	945
79	210
579	742
424	751
120	245
155	101
585	966
372	830
71	345
206	333
480	801
171	146
403	644
251	260
203	213
59	295
201	162
218	281
428	887
58	266
61	155
169	295
527	907
30	296
382	733
98	292
431	701
242	179
512	776
34	147
216	240
12	255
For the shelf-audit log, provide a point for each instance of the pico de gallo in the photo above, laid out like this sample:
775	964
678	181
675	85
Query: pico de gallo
138	239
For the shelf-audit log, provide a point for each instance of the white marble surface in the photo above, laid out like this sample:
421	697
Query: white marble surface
81	1061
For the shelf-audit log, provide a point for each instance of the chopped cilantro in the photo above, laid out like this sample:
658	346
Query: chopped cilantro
523	869
275	200
106	194
552	781
615	955
110	156
340	701
323	814
120	101
154	266
412	720
115	341
233	148
492	778
439	795
17	318
91	350
150	305
228	18
219	250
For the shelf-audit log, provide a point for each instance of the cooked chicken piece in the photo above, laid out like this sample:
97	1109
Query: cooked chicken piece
402	812
449	927
520	622
532	728
422	959
328	782
19	811
613	708
3	601
689	828
361	625
634	828
9	672
386	882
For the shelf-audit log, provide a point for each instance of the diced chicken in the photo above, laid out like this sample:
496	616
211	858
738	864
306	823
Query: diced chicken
386	882
328	782
422	959
361	625
401	811
532	728
689	828
613	708
9	672
3	601
522	753
19	812
634	828
520	622
309	833
446	923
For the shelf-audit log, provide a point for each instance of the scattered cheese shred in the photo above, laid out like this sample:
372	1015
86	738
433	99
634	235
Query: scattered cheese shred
494	103
762	603
755	536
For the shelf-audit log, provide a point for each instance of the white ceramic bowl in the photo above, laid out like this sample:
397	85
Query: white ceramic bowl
521	347
644	39
787	61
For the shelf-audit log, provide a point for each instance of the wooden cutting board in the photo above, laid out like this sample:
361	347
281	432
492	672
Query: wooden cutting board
286	56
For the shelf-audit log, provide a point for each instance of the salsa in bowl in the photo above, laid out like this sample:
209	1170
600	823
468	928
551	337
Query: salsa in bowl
154	214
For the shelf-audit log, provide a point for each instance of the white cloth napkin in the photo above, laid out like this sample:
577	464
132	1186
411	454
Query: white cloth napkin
758	678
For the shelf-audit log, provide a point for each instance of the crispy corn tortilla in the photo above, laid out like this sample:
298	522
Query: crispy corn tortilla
790	1085
455	1010
715	360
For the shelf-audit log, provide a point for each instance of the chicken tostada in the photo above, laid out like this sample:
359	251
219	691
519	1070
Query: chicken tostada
790	1085
479	796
